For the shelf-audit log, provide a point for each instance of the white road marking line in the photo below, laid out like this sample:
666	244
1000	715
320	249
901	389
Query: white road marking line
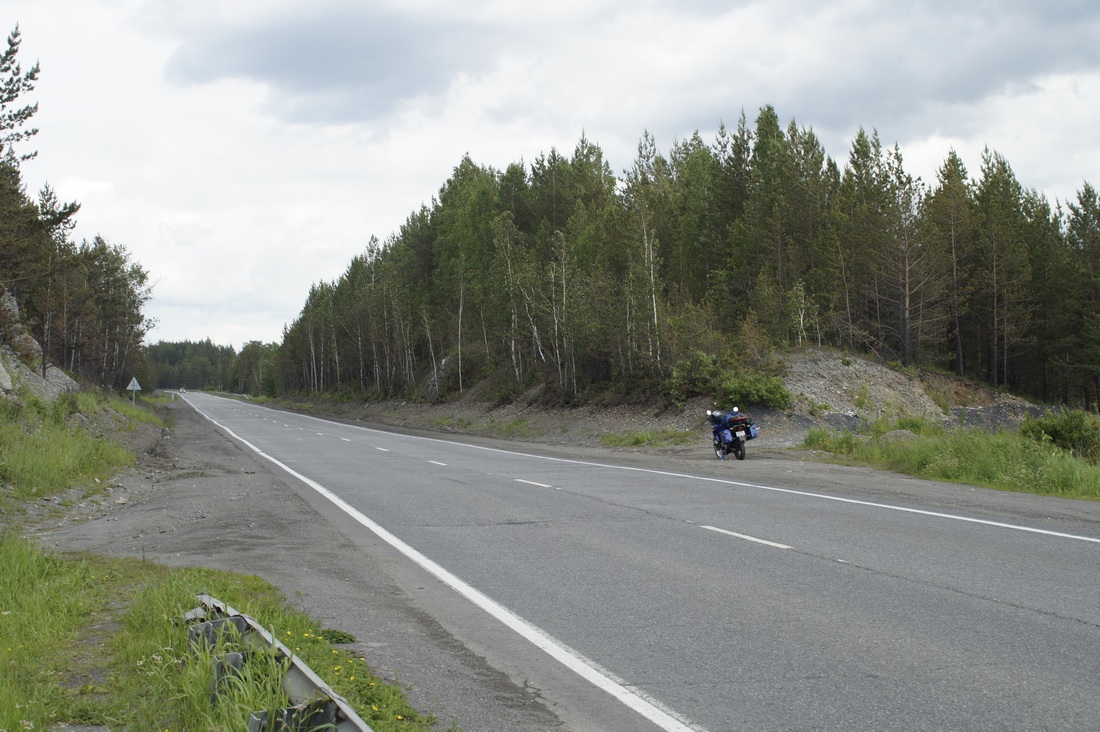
345	439
790	491
381	449
436	462
724	481
531	482
746	537
587	669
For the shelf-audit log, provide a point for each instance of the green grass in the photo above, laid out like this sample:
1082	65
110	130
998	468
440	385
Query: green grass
1002	460
666	437
517	428
38	460
449	423
93	640
49	447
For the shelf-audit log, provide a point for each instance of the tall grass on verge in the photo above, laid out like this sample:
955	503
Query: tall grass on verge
95	641
45	447
1002	460
153	653
44	601
45	459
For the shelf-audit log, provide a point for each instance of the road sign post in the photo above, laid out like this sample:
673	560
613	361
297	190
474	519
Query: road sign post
133	388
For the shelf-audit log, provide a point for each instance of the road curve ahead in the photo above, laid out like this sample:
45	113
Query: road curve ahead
718	596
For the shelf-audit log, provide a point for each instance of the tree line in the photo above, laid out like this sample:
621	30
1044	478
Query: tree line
205	365
82	301
562	274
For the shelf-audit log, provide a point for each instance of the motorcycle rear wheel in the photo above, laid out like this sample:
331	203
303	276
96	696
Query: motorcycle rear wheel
739	449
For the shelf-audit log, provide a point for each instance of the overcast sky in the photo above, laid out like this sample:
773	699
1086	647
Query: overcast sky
244	150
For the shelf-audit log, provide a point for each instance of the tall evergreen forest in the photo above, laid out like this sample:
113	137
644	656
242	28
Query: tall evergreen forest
562	274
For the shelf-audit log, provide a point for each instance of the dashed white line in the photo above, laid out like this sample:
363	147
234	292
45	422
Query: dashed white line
746	537
436	462
531	482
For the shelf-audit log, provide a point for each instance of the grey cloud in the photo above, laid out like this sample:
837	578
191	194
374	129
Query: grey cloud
336	65
894	69
889	67
907	71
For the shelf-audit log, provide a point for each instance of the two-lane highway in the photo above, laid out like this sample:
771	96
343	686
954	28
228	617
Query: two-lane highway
705	602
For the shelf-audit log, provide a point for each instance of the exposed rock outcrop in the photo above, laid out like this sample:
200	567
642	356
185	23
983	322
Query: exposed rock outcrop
18	350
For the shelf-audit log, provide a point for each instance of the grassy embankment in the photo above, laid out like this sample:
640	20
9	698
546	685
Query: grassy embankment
91	640
1055	455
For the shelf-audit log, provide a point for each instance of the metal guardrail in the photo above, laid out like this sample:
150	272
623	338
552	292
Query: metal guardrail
314	704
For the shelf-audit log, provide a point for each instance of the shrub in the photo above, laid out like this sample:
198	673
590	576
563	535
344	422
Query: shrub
756	390
1072	430
696	374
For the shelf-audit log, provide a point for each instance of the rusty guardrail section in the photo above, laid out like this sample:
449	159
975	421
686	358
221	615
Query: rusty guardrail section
315	704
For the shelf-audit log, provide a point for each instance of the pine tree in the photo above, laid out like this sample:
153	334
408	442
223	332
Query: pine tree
949	216
1083	249
14	84
1004	273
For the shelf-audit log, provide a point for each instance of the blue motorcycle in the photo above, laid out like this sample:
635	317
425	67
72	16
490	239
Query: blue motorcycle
731	431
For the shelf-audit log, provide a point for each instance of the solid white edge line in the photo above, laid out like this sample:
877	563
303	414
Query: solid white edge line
587	669
746	537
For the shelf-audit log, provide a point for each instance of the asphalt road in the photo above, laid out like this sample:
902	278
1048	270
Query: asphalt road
629	592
